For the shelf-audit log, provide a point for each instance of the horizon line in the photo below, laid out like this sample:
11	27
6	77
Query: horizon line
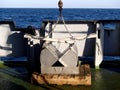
58	8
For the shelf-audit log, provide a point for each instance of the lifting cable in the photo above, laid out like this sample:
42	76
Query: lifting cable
70	39
60	5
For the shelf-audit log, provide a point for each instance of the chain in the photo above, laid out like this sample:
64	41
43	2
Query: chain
60	4
53	27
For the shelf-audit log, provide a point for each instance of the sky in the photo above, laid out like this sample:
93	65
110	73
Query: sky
53	3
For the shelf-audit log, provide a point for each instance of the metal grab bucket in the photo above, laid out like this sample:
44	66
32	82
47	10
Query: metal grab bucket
50	55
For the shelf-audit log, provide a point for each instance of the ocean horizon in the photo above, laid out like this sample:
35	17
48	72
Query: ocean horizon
24	17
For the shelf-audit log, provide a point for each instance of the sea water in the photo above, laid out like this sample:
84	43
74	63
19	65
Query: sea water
34	16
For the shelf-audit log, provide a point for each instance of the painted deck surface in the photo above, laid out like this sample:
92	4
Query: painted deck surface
15	78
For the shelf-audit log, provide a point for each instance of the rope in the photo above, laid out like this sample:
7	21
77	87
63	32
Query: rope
62	40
